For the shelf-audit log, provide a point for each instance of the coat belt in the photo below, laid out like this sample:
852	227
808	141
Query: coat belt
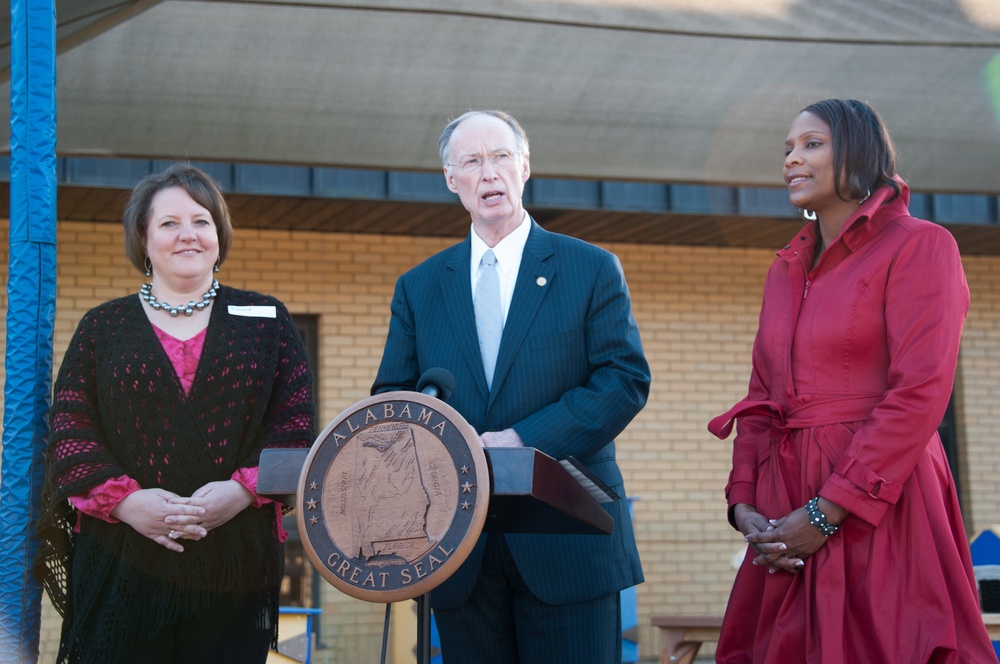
813	414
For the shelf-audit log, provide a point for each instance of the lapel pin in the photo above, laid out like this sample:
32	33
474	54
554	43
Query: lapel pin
541	281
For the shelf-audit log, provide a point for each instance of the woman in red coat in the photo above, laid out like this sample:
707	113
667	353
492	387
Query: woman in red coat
839	482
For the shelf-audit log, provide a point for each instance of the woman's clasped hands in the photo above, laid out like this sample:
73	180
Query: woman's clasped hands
783	544
166	518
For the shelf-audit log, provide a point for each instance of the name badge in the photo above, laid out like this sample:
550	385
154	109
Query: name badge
253	311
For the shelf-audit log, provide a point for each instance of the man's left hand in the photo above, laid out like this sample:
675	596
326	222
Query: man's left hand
505	438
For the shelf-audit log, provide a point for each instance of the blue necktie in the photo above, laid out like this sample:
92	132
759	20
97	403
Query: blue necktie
489	317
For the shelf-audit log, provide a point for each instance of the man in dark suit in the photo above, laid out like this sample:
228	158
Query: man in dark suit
567	376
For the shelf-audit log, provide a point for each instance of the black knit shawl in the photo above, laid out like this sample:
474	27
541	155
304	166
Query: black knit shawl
119	409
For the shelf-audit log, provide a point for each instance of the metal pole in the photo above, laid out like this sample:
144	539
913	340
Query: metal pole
423	629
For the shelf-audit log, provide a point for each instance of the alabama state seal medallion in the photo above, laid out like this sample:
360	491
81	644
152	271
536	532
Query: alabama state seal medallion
393	496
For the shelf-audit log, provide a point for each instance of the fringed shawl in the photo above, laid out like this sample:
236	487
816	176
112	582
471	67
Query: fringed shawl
119	409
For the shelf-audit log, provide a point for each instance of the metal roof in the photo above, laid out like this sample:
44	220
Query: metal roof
640	90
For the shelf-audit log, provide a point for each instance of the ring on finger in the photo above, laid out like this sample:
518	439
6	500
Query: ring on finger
172	534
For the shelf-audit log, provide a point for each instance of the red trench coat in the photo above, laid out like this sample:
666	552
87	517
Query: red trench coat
853	366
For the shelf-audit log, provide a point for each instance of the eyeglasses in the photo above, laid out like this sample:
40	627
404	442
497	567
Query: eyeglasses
500	159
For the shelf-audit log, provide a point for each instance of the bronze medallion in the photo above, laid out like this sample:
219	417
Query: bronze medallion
393	496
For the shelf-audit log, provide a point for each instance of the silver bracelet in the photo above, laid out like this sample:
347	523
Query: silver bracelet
818	519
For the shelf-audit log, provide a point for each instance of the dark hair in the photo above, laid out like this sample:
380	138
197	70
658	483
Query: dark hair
862	148
519	134
199	186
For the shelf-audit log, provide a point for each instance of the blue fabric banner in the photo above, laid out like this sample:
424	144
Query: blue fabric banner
30	319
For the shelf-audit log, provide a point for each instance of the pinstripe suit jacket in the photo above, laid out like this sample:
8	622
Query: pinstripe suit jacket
570	375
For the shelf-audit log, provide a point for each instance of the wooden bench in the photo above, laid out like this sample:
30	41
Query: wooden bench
992	621
683	635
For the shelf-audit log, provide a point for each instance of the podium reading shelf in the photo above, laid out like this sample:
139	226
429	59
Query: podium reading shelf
530	492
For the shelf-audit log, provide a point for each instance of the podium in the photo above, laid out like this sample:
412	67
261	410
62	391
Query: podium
530	492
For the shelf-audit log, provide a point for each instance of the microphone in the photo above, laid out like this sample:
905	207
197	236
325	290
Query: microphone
437	382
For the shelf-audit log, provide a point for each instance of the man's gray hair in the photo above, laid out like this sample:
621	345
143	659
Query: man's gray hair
519	135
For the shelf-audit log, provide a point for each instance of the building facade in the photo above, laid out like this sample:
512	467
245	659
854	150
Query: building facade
696	308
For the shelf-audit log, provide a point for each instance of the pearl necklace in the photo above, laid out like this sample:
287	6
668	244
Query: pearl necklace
146	293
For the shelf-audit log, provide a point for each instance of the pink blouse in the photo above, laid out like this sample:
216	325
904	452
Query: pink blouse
103	498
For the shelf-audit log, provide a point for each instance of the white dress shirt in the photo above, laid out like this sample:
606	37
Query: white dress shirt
508	253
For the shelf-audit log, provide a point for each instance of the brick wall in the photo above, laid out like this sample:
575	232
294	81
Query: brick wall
977	389
697	312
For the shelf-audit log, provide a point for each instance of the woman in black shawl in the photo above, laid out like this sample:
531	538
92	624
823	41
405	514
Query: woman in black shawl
155	545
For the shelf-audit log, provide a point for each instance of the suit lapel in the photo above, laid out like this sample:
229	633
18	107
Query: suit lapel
456	288
534	279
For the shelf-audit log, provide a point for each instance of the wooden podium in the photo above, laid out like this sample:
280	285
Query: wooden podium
530	492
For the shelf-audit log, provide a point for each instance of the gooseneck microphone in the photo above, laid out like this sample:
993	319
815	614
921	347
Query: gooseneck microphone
437	382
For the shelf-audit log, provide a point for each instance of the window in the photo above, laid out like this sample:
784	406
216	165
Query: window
702	199
551	192
964	209
300	583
